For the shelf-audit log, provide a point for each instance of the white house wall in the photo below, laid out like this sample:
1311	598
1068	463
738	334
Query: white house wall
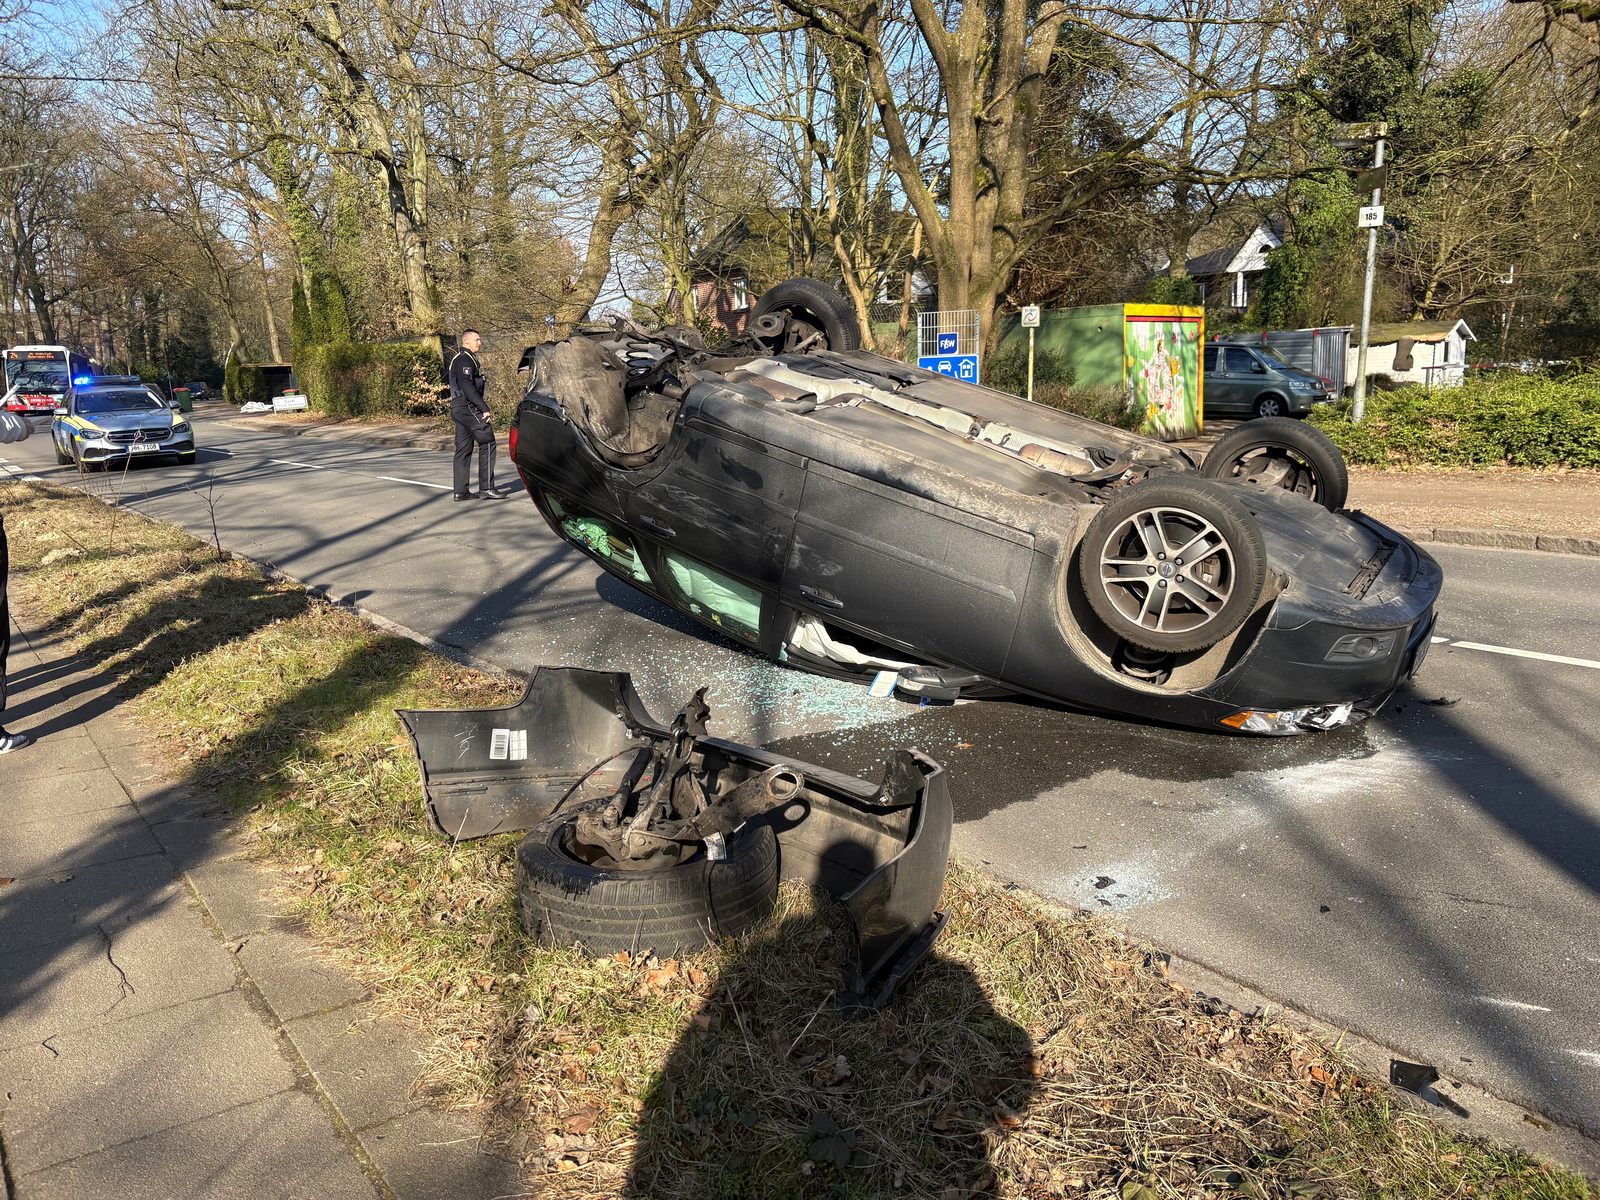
1380	361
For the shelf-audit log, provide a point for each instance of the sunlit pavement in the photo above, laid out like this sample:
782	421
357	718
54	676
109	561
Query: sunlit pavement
1429	878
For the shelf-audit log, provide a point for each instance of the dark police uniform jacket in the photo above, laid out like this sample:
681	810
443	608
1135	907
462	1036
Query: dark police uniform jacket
466	387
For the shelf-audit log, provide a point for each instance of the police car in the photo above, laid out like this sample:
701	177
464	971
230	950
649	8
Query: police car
113	420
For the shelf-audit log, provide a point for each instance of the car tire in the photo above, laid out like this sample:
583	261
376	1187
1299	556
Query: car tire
1282	452
814	301
62	457
1140	583
1271	406
670	911
186	460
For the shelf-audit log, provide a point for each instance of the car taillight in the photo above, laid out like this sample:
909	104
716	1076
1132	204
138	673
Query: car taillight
511	441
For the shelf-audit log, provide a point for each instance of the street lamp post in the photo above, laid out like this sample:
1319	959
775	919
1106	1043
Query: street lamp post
1371	219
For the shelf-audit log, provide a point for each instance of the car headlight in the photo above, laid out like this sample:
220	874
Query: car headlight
1305	385
181	427
1293	720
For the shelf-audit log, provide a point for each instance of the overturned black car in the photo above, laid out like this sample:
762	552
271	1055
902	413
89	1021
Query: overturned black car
858	517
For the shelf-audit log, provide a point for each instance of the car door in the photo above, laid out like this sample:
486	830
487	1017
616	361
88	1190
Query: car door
724	495
1233	366
1214	397
925	576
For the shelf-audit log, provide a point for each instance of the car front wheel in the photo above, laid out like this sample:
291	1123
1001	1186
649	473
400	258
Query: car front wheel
1271	406
1173	565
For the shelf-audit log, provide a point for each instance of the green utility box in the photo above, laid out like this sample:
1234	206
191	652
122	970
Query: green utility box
1150	352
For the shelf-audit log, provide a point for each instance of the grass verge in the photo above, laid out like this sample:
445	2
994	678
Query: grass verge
1032	1056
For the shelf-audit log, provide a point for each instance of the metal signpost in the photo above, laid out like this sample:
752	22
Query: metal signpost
1030	322
947	342
1353	137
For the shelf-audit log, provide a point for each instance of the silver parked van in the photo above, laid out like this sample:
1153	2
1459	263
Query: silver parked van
1255	381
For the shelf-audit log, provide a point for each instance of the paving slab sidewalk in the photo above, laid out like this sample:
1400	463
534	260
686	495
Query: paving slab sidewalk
165	1032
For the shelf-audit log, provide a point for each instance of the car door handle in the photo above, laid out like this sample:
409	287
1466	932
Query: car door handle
656	526
822	598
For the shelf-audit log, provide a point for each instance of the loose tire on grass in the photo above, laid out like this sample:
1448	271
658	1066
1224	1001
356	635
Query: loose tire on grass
1300	457
1173	564
672	911
814	301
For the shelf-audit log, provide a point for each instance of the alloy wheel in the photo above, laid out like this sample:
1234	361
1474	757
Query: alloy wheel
1167	570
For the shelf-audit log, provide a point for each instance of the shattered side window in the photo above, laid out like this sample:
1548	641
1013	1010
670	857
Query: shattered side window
610	542
710	595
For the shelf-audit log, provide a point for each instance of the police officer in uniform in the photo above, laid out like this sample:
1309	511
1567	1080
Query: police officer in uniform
13	428
470	413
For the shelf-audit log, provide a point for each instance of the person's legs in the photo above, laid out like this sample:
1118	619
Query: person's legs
463	460
5	611
486	454
8	741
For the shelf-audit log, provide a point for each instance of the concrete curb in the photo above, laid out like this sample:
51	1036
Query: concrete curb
1506	539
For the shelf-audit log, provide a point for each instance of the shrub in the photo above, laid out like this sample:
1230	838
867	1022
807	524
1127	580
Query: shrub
366	379
1054	385
1515	420
243	382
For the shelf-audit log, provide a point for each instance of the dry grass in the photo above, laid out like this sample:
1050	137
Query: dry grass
1032	1056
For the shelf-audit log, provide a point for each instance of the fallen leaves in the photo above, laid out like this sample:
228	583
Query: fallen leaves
583	1120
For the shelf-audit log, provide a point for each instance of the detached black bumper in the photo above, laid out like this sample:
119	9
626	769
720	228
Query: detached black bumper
881	850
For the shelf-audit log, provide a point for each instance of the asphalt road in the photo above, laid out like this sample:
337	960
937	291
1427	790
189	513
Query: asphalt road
1430	878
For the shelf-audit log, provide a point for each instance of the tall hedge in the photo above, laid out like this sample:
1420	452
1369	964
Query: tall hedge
1517	420
366	379
243	382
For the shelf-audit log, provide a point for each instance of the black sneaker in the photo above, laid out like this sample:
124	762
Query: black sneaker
13	741
491	494
463	495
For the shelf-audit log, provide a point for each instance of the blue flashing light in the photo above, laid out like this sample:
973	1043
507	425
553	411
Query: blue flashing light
82	380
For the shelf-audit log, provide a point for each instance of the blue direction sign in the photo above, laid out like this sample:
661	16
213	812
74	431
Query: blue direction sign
959	366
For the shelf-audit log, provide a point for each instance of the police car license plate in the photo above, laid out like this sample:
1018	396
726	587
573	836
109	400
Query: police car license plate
143	447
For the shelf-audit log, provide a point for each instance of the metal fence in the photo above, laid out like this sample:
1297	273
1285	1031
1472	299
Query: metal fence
1322	352
936	329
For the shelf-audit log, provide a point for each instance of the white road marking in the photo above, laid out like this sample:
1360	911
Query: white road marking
1517	1004
12	471
443	487
1488	649
1588	1056
286	463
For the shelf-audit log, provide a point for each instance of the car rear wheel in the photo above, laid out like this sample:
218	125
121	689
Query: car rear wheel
812	307
671	910
1271	406
1282	452
1173	564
